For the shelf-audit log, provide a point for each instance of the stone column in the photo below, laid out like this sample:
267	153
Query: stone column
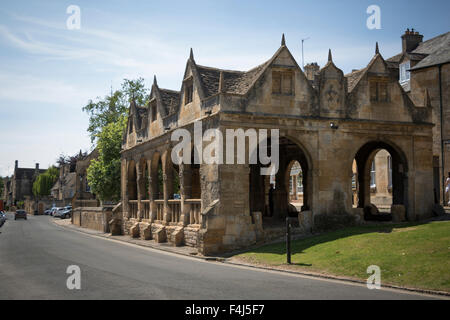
294	187
125	195
140	189
185	175
167	184
152	187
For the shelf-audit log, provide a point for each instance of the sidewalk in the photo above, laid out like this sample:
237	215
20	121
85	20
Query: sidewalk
184	250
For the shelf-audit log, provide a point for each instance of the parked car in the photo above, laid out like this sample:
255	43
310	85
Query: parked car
53	210
63	213
2	218
20	214
48	211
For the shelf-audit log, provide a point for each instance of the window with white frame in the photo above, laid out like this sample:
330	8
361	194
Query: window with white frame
404	73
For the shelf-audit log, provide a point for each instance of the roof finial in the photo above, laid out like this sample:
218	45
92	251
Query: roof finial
191	55
154	80
283	40
221	82
330	57
377	50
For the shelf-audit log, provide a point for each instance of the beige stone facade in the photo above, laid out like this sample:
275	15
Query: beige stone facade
326	124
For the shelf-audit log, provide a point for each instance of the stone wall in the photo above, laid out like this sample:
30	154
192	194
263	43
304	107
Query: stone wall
94	218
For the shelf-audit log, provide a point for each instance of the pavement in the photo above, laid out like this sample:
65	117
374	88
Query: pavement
36	253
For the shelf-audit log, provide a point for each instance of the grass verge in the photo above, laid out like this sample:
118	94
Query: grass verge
409	255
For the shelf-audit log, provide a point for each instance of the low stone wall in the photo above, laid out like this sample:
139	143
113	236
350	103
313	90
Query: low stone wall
95	218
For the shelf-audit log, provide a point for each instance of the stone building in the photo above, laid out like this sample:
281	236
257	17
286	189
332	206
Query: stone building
21	183
326	122
423	70
83	194
64	189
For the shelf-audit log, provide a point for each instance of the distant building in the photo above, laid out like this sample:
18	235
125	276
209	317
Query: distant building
20	185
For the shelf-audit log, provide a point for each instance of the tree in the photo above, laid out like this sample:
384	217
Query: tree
43	184
113	107
103	173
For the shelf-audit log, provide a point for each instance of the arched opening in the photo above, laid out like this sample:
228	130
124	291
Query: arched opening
132	183
379	177
295	184
272	194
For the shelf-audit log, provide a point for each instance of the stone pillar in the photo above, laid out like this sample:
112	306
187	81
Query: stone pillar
140	189
167	183
125	196
294	187
152	188
185	176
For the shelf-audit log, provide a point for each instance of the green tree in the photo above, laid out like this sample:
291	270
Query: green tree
110	109
43	184
103	173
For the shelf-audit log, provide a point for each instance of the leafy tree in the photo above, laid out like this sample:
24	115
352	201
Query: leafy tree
110	109
43	184
103	173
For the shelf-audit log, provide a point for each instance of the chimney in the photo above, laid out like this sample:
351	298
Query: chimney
37	166
311	70
410	40
17	164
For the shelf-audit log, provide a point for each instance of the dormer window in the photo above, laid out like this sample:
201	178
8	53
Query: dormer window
188	91
153	111
404	73
379	91
282	82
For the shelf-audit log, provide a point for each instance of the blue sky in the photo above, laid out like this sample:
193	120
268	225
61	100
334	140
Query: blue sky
48	73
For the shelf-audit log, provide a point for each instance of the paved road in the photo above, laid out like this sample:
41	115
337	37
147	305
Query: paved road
35	254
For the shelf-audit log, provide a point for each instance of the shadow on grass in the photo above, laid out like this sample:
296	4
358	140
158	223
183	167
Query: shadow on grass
301	245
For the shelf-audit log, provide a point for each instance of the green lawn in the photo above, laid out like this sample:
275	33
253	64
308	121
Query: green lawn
411	255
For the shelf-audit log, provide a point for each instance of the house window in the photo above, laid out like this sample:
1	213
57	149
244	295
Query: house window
379	91
282	82
276	82
373	181
188	91
404	74
153	111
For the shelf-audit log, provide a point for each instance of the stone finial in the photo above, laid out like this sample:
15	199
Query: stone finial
191	55
330	57
377	49
221	82
283	40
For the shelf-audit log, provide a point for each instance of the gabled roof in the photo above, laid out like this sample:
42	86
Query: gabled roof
170	100
431	52
354	77
235	82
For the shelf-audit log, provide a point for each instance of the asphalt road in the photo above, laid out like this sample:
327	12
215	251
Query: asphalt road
35	254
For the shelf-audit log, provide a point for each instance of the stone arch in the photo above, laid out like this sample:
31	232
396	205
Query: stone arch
132	182
278	198
364	158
